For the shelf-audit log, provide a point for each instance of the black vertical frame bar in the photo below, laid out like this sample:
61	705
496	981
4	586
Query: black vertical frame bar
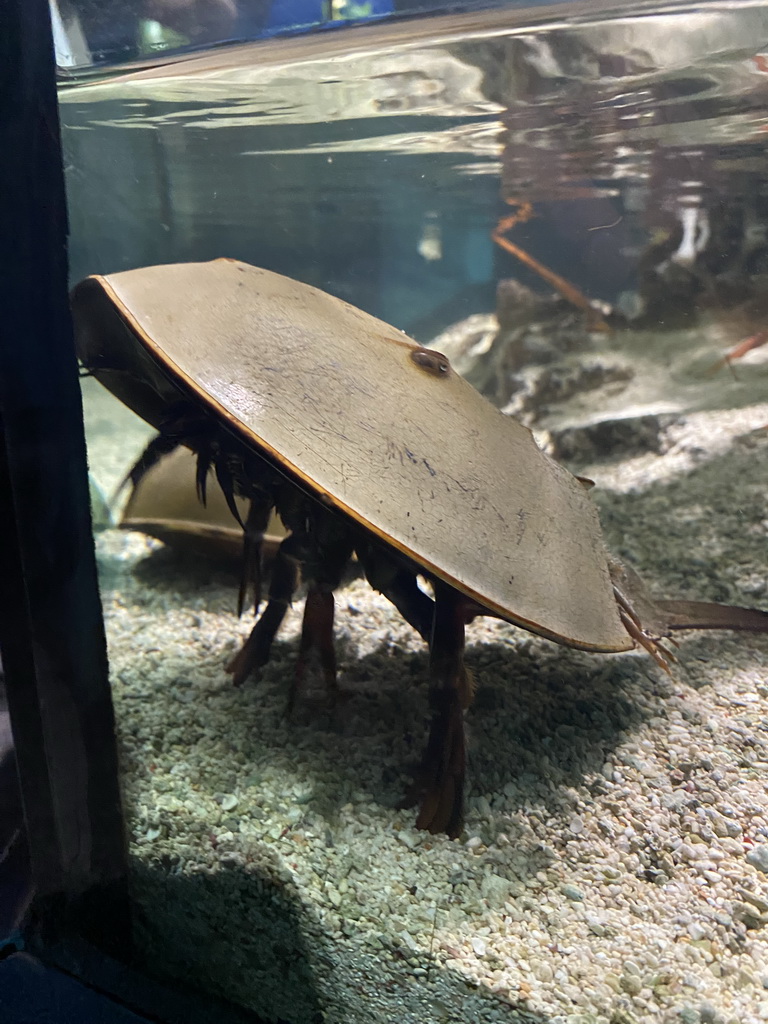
51	630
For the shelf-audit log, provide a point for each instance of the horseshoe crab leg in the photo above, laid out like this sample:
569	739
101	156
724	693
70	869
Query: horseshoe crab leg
316	632
256	524
451	690
400	586
326	548
254	653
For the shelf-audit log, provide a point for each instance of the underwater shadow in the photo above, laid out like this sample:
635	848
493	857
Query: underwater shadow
174	569
244	937
544	718
170	569
234	934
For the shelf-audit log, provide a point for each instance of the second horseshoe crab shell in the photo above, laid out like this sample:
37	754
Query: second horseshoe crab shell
165	505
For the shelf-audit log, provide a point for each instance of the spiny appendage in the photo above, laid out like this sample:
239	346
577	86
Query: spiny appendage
253	536
652	644
398	582
255	652
316	634
160	446
451	690
181	427
320	545
326	546
239	474
219	452
282	585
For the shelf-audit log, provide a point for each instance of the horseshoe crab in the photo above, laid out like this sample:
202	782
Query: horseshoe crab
364	442
165	505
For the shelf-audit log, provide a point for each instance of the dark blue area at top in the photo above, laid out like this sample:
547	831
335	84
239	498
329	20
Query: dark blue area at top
113	29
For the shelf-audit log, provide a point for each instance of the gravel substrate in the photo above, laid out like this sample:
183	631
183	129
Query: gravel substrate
614	866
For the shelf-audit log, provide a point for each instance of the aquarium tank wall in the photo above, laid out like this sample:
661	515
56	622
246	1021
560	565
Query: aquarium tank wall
105	33
567	203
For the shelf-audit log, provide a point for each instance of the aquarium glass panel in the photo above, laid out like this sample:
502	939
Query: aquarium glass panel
104	33
506	755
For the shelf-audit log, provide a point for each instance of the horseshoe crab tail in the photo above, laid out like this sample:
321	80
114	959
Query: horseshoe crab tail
707	615
648	620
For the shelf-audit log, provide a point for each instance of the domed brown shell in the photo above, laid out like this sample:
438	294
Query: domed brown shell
370	423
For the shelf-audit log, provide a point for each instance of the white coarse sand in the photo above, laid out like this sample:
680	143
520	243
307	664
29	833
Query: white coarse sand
614	864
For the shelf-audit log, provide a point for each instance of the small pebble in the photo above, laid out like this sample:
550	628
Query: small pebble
689	1015
631	984
572	892
758	857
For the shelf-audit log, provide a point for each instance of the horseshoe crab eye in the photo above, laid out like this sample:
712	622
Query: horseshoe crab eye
433	362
